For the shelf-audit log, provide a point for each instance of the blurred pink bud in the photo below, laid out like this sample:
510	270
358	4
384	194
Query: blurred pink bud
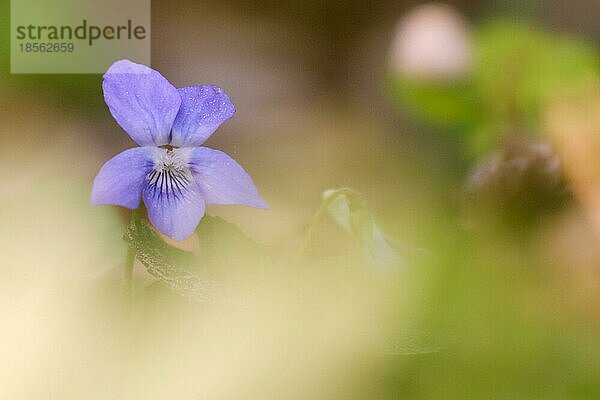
432	42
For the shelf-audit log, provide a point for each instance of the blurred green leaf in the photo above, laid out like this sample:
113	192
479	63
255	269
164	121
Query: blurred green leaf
154	253
349	210
517	69
178	269
443	103
224	245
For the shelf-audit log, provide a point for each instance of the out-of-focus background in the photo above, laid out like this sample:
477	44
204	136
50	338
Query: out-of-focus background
471	130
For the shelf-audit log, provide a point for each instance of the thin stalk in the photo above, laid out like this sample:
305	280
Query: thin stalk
130	260
316	221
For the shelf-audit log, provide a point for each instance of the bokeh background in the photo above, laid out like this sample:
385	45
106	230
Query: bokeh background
472	131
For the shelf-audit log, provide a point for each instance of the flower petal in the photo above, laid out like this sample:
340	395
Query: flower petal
222	180
142	101
175	211
121	179
203	109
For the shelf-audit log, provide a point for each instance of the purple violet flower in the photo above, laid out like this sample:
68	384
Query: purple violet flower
174	175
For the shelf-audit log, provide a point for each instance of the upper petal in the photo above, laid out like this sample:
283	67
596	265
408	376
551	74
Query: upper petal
175	208
121	179
142	101
221	179
203	109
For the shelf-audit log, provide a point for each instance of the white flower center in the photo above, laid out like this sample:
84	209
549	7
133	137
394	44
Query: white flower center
170	176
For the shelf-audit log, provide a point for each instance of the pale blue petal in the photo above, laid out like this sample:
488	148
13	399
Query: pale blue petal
142	101
222	180
122	178
203	109
174	212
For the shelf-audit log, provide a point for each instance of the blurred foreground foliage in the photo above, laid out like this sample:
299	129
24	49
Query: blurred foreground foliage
224	246
198	277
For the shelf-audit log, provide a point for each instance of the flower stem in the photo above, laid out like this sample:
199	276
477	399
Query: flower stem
130	259
328	198
316	221
310	232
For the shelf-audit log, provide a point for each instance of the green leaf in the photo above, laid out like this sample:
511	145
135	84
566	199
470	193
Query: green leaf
178	269
519	67
443	103
349	210
224	245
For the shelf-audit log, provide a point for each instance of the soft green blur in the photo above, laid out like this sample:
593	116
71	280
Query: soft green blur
460	259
